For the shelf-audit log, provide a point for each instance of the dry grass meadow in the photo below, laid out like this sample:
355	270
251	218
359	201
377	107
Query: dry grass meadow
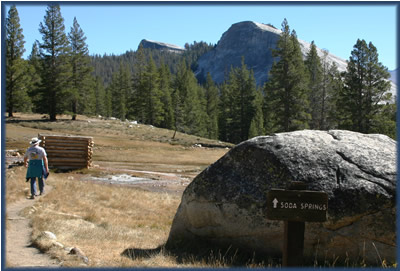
104	220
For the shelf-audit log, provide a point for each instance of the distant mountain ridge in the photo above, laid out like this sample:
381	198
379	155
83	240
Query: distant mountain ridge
393	76
253	41
161	46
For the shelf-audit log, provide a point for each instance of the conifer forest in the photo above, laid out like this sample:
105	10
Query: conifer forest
160	88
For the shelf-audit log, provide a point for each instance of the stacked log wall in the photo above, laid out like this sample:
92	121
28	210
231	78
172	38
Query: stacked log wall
68	152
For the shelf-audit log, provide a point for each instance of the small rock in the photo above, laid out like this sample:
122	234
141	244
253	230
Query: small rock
78	252
49	235
58	244
68	249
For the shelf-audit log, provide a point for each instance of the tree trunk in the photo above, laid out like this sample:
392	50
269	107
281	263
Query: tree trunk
10	100
173	137
10	110
53	117
74	102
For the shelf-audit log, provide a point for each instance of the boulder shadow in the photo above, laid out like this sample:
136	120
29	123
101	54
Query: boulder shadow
137	253
205	254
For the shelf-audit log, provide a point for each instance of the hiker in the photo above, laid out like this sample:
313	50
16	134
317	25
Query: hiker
38	166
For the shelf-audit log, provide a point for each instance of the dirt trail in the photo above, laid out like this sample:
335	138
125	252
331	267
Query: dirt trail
19	252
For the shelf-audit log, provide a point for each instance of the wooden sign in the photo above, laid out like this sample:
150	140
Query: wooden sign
297	205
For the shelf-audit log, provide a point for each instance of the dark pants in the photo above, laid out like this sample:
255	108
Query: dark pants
33	185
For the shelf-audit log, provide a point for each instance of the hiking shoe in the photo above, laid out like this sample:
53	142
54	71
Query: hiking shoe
32	197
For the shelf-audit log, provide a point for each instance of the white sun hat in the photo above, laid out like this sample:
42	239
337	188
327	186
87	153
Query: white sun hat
35	141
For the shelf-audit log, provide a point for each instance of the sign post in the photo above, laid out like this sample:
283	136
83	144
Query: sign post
296	206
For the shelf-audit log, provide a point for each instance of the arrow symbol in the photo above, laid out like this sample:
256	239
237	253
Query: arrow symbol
275	202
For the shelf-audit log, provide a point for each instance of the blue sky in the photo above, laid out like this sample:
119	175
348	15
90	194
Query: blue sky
116	28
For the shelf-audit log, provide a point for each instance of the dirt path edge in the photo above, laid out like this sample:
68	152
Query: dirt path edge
19	250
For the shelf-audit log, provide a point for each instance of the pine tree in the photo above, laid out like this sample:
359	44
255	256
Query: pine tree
193	106
287	89
331	85
34	71
314	70
177	106
244	92
257	122
238	96
197	121
365	88
154	107
166	99
100	98
179	96
56	70
82	93
119	91
225	113
188	102
16	79
378	90
137	101
385	121
108	112
212	99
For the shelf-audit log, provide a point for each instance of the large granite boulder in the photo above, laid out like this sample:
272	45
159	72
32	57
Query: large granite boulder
226	203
